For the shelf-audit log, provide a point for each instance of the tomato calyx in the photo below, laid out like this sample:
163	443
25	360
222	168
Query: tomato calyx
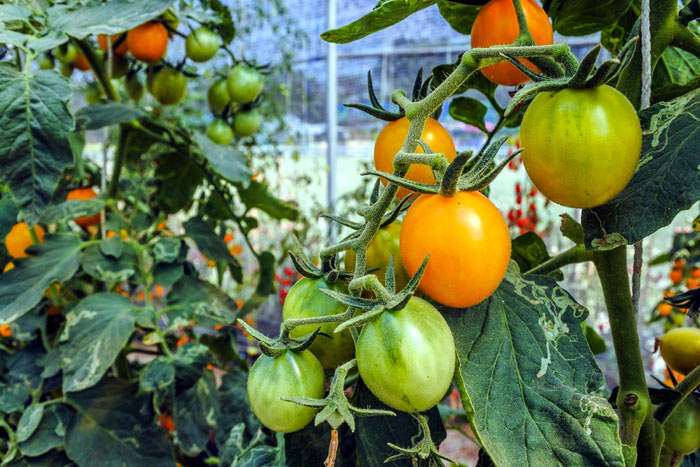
424	449
336	407
329	270
275	347
582	75
420	90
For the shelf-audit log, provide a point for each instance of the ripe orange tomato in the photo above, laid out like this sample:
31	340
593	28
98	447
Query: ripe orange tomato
81	62
19	239
695	272
664	309
676	275
496	24
468	243
692	283
83	194
148	41
123	48
391	139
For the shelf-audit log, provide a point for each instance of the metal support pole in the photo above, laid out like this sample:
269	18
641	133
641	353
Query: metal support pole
332	117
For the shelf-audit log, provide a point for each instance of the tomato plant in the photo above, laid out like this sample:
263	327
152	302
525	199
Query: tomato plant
292	374
406	357
575	135
389	142
468	243
305	300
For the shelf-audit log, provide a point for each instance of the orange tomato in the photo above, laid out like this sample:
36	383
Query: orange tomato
148	42
468	243
8	266
166	421
5	330
676	275
692	283
664	309
81	63
235	250
496	24
19	239
669	293
695	272
228	238
391	139
84	194
161	226
679	263
159	290
123	48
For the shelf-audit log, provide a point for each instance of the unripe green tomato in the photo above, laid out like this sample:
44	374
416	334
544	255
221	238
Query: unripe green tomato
407	357
134	88
384	245
66	53
120	65
150	76
244	83
220	132
305	300
169	86
66	69
218	96
45	62
292	374
247	122
680	349
202	44
682	428
94	94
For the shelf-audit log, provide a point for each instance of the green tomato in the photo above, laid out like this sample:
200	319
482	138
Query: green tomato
581	146
383	246
305	300
66	69
45	62
218	96
94	94
407	357
169	86
134	88
246	123
220	132
680	349
120	65
244	83
682	428
202	44
66	53
292	374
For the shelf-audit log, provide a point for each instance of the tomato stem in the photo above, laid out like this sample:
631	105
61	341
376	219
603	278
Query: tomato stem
118	161
685	388
576	254
97	69
524	36
633	398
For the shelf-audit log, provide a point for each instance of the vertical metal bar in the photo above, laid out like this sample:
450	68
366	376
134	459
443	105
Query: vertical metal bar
332	117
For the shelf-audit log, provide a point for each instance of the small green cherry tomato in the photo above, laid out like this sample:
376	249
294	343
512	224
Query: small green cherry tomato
66	53
202	44
305	300
680	349
169	86
218	96
581	146
292	374
244	83
407	357
220	132
682	428
120	65
45	62
134	88
247	122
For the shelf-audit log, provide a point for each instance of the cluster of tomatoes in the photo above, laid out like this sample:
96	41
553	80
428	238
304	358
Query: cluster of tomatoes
233	96
681	277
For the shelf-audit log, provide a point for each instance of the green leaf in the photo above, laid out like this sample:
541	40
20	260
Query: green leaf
50	431
8	215
677	73
526	340
257	195
12	398
194	298
166	274
113	247
226	161
96	330
386	13
34	145
614	36
460	17
94	117
470	111
22	366
167	249
51	459
255	454
68	210
582	17
179	179
211	245
595	342
116	426
666	182
235	407
226	28
158	377
107	268
374	432
81	19
14	13
189	362
21	288
194	414
29	421
309	446
529	250
475	81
